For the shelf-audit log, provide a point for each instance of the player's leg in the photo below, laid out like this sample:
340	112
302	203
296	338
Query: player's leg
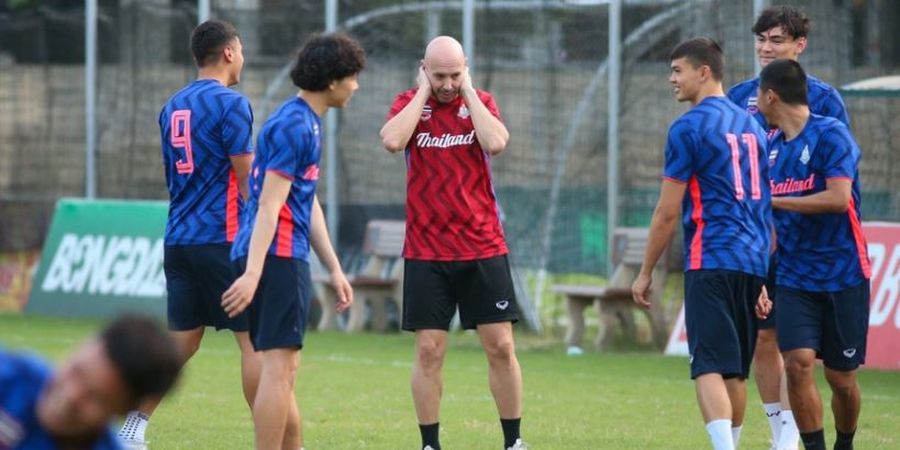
187	319
799	324
251	365
274	397
737	395
277	318
428	308
133	432
716	409
293	429
487	302
721	337
843	350
427	378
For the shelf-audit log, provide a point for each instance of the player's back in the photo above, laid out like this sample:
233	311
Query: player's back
201	127
718	149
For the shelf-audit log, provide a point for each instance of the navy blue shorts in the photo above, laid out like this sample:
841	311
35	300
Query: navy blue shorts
834	324
482	289
196	277
720	320
280	308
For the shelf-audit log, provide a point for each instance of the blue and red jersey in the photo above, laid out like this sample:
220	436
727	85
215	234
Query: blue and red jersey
201	127
289	146
719	151
818	252
823	99
22	378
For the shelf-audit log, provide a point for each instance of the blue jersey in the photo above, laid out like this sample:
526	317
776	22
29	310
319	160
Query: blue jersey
823	99
201	127
21	380
818	252
289	146
718	150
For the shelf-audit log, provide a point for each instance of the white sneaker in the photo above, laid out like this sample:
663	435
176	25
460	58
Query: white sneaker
131	444
519	445
428	447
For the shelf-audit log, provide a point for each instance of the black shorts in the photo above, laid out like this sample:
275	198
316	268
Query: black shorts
280	308
196	277
721	321
834	324
482	289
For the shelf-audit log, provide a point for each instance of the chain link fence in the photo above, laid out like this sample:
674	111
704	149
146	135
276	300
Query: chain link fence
544	61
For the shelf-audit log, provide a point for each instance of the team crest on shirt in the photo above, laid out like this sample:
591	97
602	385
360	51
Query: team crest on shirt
752	105
463	112
804	155
773	155
316	129
426	113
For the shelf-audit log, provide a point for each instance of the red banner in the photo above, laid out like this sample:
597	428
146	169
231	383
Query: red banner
883	351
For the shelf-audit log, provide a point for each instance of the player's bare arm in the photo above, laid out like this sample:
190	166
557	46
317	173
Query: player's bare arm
274	193
397	131
241	165
321	244
662	228
834	199
489	130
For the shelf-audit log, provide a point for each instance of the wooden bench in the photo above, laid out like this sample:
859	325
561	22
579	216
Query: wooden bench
378	280
614	301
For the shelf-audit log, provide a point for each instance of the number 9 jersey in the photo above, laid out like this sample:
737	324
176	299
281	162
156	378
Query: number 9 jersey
719	151
201	127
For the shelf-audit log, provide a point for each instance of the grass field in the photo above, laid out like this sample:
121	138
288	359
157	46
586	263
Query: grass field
353	392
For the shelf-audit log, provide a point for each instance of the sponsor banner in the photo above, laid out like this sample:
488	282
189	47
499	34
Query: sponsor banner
102	258
15	279
883	350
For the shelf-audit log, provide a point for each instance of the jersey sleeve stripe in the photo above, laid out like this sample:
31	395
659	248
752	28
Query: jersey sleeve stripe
696	261
859	239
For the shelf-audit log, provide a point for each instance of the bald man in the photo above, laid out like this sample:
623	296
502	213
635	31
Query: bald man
455	252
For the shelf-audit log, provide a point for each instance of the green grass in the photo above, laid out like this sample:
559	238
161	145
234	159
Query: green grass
353	393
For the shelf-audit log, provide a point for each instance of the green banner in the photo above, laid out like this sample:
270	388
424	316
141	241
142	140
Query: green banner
102	258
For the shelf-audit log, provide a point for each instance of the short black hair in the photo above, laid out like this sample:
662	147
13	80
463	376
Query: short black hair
794	22
701	51
209	38
144	354
786	78
326	58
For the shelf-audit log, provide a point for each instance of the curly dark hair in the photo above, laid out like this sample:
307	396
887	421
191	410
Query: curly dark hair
326	58
794	22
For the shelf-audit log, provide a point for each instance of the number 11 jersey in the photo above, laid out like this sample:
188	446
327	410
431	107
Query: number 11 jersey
719	151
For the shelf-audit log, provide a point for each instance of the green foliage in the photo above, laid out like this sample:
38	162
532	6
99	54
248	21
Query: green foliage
353	392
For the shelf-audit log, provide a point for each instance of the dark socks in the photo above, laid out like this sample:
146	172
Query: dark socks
844	440
814	440
510	431
430	435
